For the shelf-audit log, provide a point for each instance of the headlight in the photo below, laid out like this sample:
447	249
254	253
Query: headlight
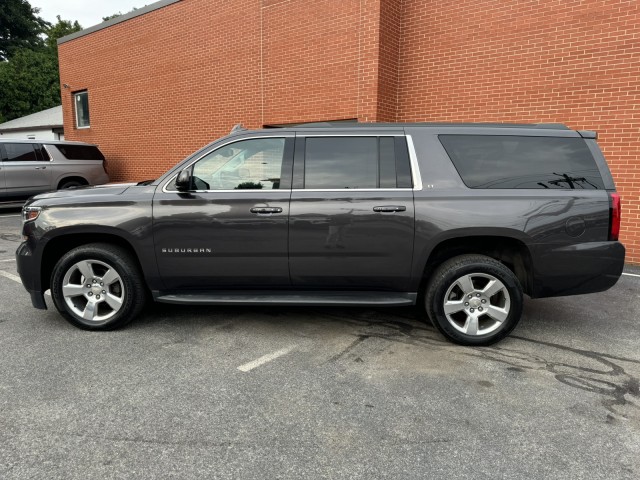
30	213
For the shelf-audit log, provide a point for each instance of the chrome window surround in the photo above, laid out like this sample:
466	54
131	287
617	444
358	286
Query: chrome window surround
415	168
46	147
413	160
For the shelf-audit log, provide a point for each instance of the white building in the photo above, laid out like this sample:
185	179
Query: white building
44	125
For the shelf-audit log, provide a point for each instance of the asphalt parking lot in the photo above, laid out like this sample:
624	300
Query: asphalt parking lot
203	392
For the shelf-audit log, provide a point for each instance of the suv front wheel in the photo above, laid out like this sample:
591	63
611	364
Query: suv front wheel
474	300
98	287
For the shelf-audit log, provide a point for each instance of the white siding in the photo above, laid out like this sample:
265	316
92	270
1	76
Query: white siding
41	134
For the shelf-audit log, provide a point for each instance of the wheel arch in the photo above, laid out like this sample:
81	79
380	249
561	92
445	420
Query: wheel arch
57	246
504	246
71	177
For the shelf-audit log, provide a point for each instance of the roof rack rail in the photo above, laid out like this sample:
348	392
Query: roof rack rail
348	125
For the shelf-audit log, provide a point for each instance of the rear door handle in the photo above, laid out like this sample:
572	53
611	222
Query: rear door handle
390	208
41	168
267	210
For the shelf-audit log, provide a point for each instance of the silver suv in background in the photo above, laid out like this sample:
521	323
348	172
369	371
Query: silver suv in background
29	167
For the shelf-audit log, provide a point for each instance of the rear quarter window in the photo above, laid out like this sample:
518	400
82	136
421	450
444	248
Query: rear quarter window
80	152
506	161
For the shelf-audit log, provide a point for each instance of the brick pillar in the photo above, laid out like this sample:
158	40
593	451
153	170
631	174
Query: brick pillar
380	24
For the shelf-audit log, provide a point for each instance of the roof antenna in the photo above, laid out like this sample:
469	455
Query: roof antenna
238	127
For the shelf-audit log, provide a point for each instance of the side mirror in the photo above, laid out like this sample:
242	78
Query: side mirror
183	182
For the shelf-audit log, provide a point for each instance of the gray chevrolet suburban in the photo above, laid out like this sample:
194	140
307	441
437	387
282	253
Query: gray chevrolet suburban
29	167
462	219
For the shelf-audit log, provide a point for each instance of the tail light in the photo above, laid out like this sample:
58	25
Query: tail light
614	216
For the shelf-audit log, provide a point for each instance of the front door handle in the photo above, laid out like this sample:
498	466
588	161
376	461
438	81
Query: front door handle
266	210
41	168
390	208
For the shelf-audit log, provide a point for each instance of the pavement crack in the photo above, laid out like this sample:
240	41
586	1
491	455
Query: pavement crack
148	441
348	348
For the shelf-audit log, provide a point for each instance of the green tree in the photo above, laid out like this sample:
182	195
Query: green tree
28	83
29	80
60	29
20	27
109	17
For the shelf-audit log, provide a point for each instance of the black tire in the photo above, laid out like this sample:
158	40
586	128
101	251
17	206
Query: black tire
70	183
497	314
115	306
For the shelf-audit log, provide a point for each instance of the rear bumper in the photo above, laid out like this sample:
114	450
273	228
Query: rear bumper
29	270
576	269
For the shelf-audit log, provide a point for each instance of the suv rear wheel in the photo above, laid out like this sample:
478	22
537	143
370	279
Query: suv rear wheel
70	183
474	300
98	287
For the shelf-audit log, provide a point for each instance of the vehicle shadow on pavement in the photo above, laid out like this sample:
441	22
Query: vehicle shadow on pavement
613	378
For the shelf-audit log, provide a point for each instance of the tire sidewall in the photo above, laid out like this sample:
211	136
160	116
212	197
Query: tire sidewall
441	286
121	266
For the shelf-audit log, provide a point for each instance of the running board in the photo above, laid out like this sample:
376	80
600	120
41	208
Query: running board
12	203
326	299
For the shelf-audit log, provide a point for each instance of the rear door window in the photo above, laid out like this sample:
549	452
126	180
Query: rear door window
506	161
20	152
356	163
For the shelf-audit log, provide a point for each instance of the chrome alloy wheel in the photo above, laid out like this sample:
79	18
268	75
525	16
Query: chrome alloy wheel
93	290
477	304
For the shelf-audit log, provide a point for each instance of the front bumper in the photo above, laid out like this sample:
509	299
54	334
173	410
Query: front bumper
29	270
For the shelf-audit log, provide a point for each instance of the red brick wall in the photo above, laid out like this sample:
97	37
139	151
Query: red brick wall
166	83
570	61
310	52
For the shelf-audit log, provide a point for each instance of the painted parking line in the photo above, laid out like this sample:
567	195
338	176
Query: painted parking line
8	260
16	278
10	216
264	359
631	275
10	276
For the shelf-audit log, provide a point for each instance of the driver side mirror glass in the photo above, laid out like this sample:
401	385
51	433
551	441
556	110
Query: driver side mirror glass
183	182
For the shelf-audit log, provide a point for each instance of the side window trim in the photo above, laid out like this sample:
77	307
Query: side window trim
403	163
415	167
46	156
286	171
36	148
41	154
298	163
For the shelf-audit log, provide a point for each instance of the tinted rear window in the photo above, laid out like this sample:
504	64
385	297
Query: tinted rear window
496	161
356	162
80	152
20	152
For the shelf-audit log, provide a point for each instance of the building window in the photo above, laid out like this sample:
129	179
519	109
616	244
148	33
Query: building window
81	103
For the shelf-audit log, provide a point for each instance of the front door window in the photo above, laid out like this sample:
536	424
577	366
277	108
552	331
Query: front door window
254	164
